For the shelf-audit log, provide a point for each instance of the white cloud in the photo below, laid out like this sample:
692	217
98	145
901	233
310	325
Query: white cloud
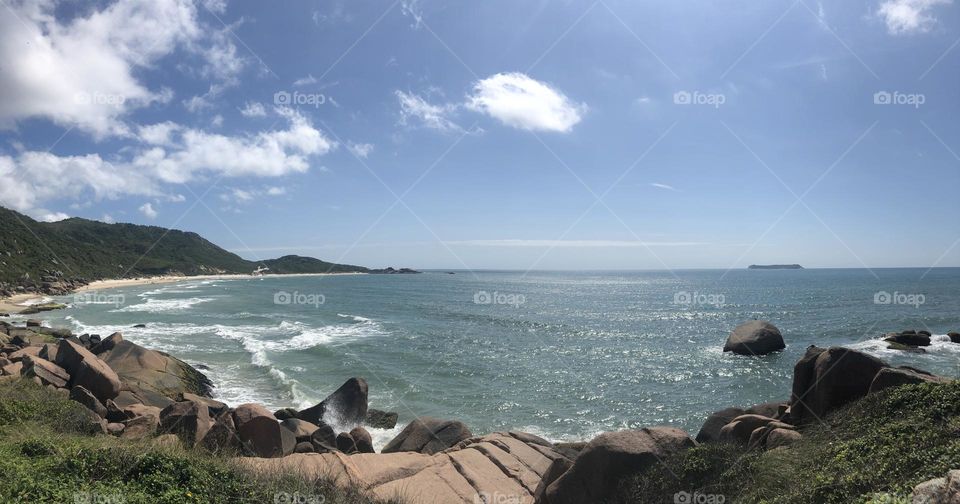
158	134
361	150
276	191
305	81
413	107
108	219
147	210
909	16
525	103
663	186
253	109
54	217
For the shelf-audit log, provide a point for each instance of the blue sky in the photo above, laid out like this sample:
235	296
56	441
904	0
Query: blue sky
496	134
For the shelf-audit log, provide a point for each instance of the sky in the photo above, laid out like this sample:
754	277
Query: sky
598	134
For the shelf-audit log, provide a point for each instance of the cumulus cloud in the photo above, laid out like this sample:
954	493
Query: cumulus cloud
147	210
909	16
519	101
253	109
414	110
54	217
361	150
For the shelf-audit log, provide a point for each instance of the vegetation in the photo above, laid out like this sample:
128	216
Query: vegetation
872	451
47	455
90	250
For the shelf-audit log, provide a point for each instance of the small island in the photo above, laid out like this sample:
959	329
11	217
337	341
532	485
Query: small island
775	266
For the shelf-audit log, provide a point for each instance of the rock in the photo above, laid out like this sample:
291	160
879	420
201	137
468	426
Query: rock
381	419
909	339
925	333
222	437
782	437
324	439
12	369
428	435
303	447
115	413
826	379
88	370
757	337
905	348
48	352
115	429
187	419
34	323
139	326
140	427
710	431
285	413
215	407
954	336
609	458
345	443
4	362
938	490
84	397
362	440
107	343
347	406
48	372
260	433
138	410
134	395
92	423
558	467
301	429
155	371
741	428
30	351
904	375
501	469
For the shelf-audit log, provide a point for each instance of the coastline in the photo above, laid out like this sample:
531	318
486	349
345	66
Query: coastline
15	304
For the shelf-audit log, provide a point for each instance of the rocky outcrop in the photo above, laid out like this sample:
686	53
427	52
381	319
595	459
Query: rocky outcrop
489	469
611	457
87	370
346	406
189	420
827	378
155	371
757	337
741	428
428	435
904	375
909	338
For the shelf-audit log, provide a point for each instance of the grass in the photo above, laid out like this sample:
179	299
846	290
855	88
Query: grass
872	451
48	455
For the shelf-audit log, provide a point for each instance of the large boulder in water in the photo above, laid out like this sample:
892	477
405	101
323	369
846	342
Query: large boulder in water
828	378
757	337
609	458
155	371
347	406
428	435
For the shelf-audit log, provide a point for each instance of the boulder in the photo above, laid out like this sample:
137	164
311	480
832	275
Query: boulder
88	370
346	443
189	420
782	437
140	427
944	490
222	437
346	406
48	372
611	457
49	352
107	343
260	433
558	467
115	429
954	336
710	431
826	379
84	397
381	419
301	429
741	428
134	395
216	407
904	375
12	369
285	413
30	351
757	337
155	371
324	439
139	410
303	447
909	338
362	440
428	435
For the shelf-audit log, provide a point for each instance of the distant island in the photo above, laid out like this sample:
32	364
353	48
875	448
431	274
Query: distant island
775	266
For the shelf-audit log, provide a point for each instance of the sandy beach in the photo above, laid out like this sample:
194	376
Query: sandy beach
16	304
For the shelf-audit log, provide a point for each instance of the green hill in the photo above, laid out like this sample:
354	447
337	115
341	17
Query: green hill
90	250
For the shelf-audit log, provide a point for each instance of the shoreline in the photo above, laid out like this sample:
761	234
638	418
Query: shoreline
15	304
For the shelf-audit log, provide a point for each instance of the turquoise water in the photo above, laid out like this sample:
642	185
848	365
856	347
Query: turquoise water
564	355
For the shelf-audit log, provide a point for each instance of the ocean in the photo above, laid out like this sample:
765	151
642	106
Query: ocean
564	355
